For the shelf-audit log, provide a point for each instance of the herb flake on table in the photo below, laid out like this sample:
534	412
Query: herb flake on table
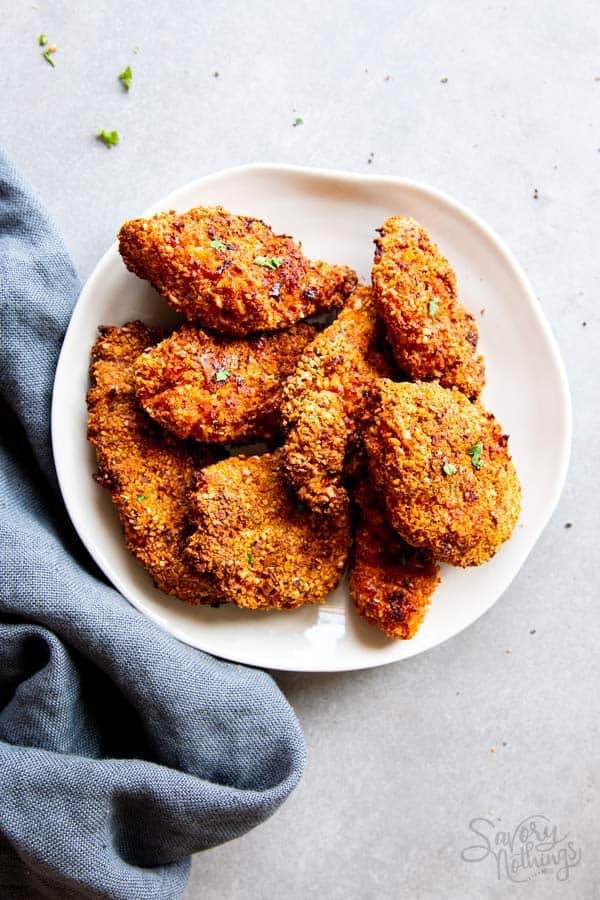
297	121
475	453
42	40
269	262
48	56
125	77
109	138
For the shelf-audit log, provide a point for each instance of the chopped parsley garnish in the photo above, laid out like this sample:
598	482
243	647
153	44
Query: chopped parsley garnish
433	308
125	77
48	57
475	453
312	417
42	40
222	374
218	245
110	138
141	496
269	262
448	468
250	558
297	121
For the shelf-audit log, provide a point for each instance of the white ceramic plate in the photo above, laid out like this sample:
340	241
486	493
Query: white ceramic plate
334	214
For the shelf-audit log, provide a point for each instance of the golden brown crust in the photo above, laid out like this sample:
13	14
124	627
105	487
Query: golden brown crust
444	468
391	583
204	263
433	336
148	474
326	401
219	390
261	547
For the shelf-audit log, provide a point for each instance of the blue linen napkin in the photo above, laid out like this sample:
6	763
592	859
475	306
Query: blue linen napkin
122	751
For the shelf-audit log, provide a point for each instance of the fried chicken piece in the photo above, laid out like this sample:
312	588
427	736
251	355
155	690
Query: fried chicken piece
391	583
326	401
230	273
432	335
262	548
443	466
219	390
149	475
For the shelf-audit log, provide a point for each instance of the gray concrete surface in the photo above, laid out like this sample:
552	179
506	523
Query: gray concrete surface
399	758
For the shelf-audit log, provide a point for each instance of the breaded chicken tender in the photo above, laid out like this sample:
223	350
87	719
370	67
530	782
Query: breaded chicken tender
432	335
261	547
230	273
149	476
391	583
443	466
326	402
217	389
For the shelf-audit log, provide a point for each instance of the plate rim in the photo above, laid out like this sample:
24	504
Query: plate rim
564	398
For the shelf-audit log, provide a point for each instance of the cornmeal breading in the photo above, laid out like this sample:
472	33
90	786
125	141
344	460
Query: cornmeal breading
148	474
262	548
432	335
443	465
326	402
230	273
390	582
418	469
216	389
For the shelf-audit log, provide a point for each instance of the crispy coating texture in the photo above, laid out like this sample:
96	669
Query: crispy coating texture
216	389
204	263
432	335
149	475
326	402
442	494
391	583
262	549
